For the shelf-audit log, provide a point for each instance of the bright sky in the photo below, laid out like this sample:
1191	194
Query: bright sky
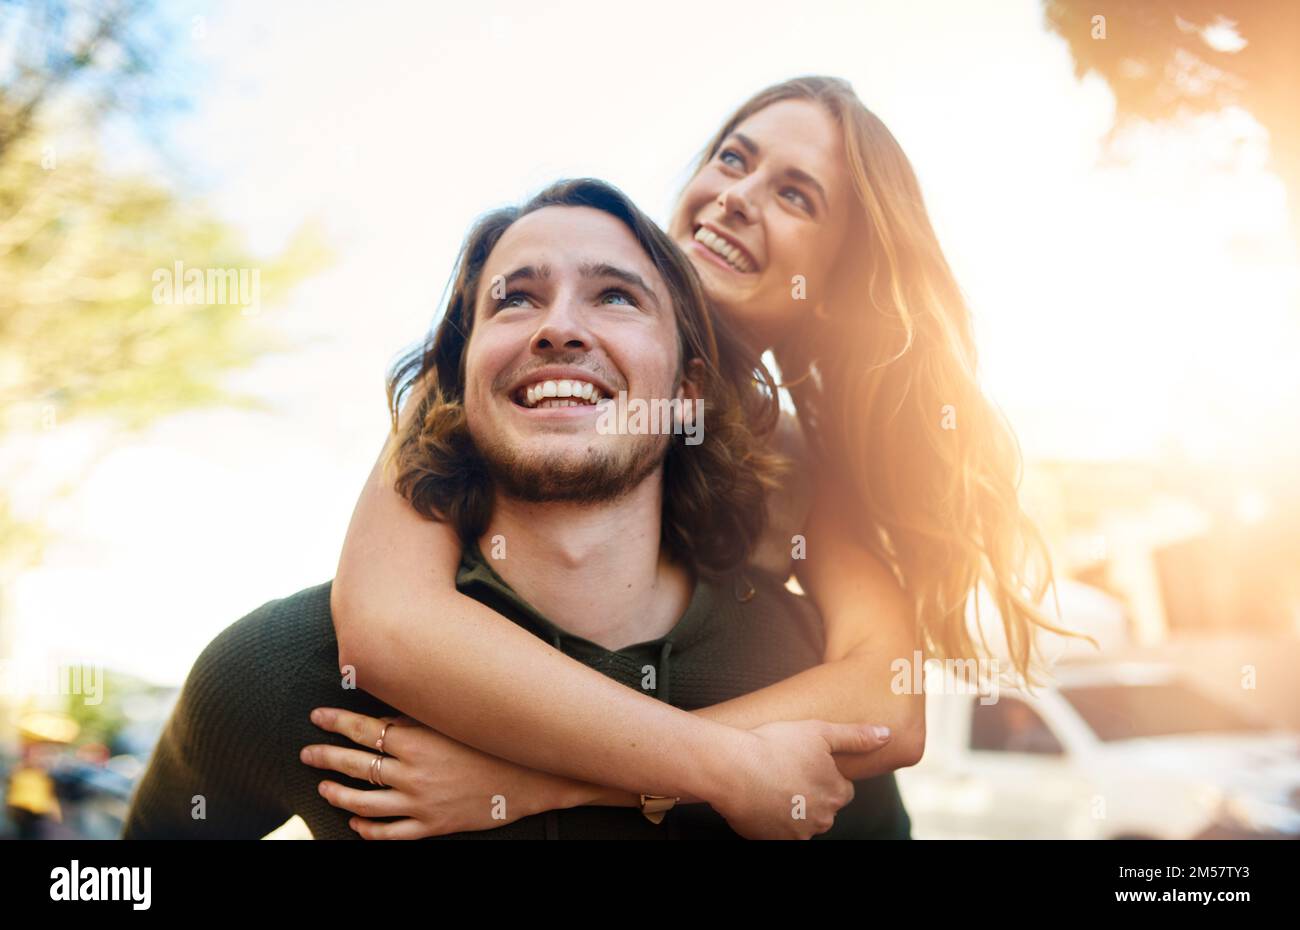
1117	307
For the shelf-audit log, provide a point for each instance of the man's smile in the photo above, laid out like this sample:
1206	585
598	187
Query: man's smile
563	392
554	391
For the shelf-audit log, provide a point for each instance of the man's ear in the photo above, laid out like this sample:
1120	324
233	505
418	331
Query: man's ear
689	395
692	378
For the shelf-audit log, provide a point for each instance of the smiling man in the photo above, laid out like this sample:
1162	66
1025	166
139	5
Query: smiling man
621	548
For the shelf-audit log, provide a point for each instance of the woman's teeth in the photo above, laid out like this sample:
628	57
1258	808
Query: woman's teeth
566	393
734	257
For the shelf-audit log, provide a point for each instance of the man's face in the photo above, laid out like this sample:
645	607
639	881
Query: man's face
567	295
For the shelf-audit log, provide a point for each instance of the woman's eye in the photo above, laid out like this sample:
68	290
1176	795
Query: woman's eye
798	199
735	160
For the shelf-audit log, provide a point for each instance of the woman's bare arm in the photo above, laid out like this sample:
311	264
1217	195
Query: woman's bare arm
868	627
458	666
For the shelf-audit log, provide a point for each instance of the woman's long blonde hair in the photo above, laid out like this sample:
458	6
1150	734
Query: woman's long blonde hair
886	390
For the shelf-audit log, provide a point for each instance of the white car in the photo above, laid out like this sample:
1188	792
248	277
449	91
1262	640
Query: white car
1110	751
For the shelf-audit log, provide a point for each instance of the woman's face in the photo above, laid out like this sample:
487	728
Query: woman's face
769	210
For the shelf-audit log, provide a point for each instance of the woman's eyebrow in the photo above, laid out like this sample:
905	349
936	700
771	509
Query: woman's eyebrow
796	174
746	141
806	178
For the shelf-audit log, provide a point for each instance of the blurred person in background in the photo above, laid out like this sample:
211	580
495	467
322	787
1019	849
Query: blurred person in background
31	800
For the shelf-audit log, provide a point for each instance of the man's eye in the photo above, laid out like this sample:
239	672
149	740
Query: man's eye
618	296
511	300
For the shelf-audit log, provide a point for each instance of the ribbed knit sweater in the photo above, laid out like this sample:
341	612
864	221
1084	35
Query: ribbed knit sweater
241	720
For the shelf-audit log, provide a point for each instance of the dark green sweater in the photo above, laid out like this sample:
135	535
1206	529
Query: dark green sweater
242	716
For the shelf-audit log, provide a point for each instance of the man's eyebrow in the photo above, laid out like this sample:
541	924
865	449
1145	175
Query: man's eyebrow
630	278
796	174
528	273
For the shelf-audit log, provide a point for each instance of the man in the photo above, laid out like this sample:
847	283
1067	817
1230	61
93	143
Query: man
575	287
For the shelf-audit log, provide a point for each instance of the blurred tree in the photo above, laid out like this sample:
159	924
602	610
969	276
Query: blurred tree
1165	58
1168	58
82	338
100	57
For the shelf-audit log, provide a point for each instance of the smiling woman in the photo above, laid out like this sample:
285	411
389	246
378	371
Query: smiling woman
878	342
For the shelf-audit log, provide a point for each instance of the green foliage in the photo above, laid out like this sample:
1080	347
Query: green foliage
80	333
82	338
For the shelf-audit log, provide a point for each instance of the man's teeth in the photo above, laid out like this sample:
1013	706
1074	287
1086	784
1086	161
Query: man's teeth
566	393
734	257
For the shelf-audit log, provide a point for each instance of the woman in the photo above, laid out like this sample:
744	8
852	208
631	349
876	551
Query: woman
807	227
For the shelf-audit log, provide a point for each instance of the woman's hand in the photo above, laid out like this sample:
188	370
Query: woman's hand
438	785
787	784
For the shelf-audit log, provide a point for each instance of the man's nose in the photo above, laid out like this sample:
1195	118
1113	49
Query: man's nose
564	326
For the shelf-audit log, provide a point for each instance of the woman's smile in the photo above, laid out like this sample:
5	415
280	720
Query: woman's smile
724	250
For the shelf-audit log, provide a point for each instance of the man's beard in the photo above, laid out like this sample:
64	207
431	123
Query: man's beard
596	478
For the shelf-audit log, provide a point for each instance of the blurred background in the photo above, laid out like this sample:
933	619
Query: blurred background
1120	200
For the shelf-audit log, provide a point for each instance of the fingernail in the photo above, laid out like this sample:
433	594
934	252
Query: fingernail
316	716
881	732
305	755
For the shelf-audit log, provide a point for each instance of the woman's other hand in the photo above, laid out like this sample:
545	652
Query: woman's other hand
436	784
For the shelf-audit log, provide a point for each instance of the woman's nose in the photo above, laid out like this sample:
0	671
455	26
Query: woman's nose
736	201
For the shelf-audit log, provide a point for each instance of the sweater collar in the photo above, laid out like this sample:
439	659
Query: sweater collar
476	578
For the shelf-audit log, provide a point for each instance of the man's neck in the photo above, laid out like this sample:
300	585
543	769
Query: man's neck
596	571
